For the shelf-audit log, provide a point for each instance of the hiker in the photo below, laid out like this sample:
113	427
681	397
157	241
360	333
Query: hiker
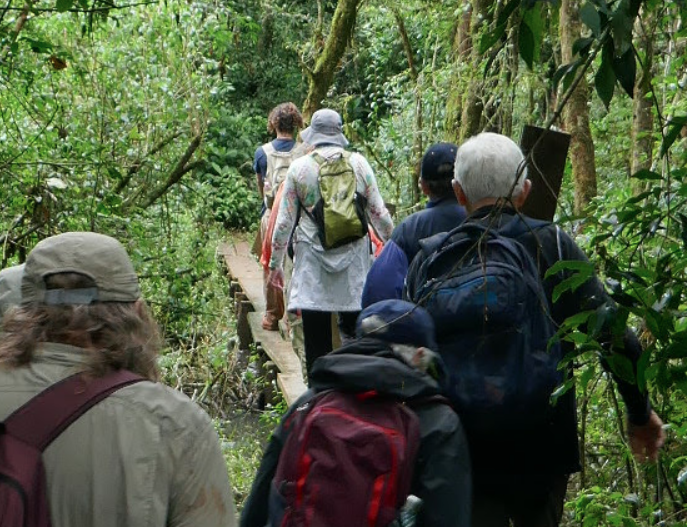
328	197
272	160
10	287
145	454
390	370
442	213
484	283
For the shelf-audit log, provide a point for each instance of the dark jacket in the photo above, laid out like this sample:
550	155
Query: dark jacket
388	272
442	471
553	449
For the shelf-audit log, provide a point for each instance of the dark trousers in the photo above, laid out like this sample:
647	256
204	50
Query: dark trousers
317	332
523	505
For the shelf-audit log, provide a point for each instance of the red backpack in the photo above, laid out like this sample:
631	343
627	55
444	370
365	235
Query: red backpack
26	434
348	460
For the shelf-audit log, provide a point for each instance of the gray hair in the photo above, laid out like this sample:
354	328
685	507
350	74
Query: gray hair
486	167
408	353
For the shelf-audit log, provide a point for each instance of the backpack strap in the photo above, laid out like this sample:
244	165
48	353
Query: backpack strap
289	246
48	414
269	149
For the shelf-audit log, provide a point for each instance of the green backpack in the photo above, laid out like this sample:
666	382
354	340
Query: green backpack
339	214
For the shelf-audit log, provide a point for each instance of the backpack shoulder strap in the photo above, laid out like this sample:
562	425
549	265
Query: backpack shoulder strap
48	414
433	243
269	149
319	159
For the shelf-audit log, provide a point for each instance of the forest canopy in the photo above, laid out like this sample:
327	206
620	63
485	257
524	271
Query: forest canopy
140	120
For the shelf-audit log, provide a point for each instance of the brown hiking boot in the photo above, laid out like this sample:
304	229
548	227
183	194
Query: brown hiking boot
270	323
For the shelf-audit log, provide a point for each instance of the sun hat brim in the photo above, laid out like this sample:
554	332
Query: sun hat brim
314	138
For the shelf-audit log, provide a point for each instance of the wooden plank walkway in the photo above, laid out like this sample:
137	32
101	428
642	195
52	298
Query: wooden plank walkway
245	279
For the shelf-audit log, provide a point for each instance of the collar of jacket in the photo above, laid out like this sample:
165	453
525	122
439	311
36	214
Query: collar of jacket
63	354
440	201
370	364
486	210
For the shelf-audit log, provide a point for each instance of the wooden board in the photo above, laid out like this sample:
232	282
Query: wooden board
246	270
278	350
545	169
292	386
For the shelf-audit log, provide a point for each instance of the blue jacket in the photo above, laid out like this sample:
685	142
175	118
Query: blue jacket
387	274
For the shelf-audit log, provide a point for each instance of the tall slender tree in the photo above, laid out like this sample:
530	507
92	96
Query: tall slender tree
473	105
460	48
642	115
576	115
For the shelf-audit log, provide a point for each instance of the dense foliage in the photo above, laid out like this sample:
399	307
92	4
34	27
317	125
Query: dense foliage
141	120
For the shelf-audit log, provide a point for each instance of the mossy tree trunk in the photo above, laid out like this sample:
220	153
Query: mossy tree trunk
576	115
642	115
418	145
461	48
473	103
322	75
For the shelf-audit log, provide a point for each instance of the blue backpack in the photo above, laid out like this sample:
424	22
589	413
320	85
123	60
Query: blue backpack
493	327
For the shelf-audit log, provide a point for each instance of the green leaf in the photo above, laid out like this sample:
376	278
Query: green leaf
562	389
604	80
566	72
621	366
507	12
64	5
586	376
625	69
573	265
39	46
647	175
642	365
572	283
490	38
621	28
532	18
581	46
674	128
590	17
526	39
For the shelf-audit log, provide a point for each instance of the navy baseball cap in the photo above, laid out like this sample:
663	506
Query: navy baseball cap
397	322
438	162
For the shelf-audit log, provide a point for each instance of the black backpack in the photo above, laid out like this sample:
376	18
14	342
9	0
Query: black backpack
494	327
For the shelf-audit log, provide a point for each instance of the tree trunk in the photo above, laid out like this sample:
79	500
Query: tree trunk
461	55
322	76
642	116
419	124
576	113
473	105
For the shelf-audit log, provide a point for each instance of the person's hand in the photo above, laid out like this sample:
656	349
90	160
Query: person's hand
276	278
647	439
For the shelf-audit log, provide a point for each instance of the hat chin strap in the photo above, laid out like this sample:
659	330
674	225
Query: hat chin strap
62	297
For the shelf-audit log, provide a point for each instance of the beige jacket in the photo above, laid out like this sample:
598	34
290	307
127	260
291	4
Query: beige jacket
145	456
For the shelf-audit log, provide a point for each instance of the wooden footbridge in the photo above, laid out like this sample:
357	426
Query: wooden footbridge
278	361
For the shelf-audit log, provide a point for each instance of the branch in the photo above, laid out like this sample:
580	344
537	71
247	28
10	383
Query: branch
75	10
136	166
406	43
18	26
182	167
